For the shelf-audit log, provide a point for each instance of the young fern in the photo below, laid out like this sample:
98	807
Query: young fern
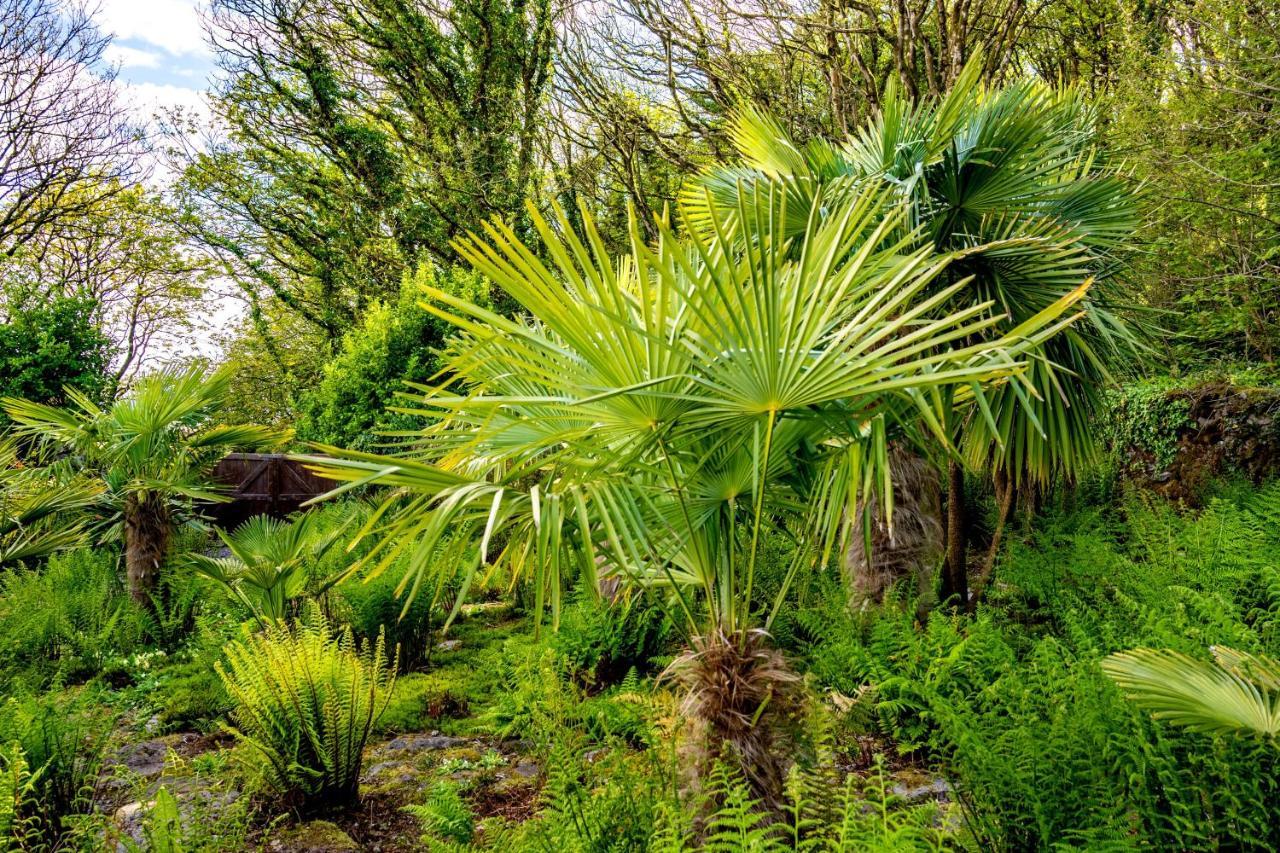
305	699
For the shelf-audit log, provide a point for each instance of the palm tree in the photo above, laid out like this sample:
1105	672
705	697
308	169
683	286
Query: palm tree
1238	694
41	510
152	451
267	567
655	415
1011	183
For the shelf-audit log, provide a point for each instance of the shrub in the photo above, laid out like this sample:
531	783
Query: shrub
305	700
372	606
393	344
602	642
47	348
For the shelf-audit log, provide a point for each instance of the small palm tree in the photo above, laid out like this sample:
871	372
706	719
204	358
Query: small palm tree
654	416
1237	694
152	451
267	569
41	510
1011	182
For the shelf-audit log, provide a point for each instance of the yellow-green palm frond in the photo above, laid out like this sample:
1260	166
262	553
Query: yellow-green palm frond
1239	694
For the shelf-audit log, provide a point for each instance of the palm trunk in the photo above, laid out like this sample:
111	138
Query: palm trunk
955	576
147	531
914	549
1004	500
744	704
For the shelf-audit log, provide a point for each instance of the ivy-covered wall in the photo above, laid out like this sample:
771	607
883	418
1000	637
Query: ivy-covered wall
1176	439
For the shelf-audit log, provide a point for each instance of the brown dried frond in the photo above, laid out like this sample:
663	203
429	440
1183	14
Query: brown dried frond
744	705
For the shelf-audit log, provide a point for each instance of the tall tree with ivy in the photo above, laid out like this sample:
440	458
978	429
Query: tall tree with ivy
362	138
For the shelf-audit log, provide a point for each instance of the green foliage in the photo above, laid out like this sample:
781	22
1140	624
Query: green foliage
445	815
153	451
534	697
54	750
304	702
19	826
1195	118
1236	695
603	642
48	347
1012	179
42	510
66	620
582	449
266	570
340	171
1144	417
370	606
393	344
1014	707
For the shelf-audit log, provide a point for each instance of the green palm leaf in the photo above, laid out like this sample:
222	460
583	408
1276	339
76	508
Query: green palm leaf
649	414
1239	694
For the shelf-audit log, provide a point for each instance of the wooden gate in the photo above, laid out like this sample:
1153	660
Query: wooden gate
263	483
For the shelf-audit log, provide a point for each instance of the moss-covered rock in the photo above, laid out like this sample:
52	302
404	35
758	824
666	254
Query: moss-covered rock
315	836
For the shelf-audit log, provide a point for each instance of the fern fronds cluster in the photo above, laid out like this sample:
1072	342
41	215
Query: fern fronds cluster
305	700
19	825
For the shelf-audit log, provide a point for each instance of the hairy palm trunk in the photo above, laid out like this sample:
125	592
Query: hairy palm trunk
147	531
744	705
955	575
914	546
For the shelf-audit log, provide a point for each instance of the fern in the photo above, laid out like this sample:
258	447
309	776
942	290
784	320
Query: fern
305	700
19	825
446	815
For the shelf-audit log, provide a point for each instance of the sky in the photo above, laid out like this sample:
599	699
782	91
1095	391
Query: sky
160	50
163	60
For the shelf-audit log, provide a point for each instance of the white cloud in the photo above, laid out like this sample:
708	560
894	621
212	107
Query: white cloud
130	57
148	98
173	25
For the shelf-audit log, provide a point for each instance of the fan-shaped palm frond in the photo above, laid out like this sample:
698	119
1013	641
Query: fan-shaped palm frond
41	509
1011	182
1238	694
267	566
652	413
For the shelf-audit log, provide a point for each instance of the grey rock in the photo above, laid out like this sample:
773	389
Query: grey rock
939	789
415	743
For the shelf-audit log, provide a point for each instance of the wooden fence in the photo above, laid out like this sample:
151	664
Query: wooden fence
259	483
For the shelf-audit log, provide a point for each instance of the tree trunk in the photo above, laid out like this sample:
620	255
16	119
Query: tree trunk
1004	499
915	547
955	575
147	531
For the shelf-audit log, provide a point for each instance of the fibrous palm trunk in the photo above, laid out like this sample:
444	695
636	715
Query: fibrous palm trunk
912	548
955	574
148	529
744	704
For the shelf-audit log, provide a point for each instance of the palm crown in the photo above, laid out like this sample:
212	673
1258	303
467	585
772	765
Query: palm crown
1011	182
652	414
